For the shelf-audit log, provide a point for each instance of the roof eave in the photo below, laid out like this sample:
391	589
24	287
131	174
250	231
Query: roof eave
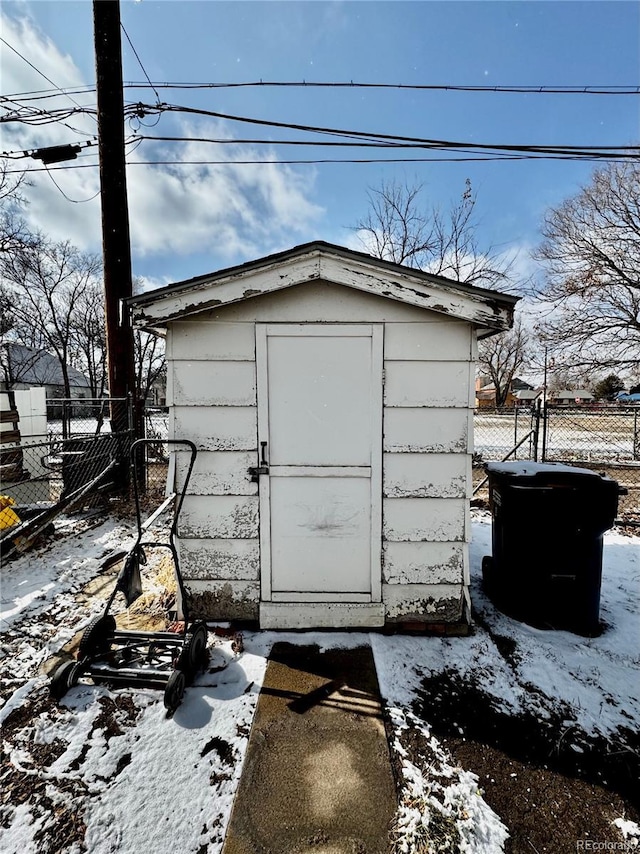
491	311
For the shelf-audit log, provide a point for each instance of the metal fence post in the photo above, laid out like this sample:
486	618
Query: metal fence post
545	431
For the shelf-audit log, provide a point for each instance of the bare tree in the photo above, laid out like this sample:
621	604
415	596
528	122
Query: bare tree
150	362
502	356
14	234
591	251
88	337
47	284
399	227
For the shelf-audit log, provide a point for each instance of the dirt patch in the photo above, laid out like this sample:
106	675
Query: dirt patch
550	783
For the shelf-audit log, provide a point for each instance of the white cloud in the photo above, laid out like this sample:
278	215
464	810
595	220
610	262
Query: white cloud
231	210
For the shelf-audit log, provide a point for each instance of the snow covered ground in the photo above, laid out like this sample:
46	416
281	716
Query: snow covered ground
108	771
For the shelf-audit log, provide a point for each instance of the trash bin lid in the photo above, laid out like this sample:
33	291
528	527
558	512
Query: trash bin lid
527	468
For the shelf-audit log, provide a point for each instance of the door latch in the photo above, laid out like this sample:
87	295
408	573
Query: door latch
263	468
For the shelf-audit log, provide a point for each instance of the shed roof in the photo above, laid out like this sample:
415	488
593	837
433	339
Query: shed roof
491	311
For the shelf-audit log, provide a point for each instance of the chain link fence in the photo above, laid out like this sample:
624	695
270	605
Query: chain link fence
156	427
77	442
46	458
605	439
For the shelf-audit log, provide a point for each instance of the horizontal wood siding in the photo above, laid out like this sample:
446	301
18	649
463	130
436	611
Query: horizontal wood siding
423	520
218	473
446	341
214	383
208	342
223	599
427	469
437	603
425	476
219	516
439	384
427	443
425	431
220	428
423	563
232	560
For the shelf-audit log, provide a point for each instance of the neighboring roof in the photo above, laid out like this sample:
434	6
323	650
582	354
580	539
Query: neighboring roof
36	367
520	385
574	394
527	394
490	310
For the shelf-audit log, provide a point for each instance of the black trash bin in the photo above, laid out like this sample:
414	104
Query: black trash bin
547	525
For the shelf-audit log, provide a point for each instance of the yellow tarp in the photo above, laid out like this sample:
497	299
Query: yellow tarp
8	517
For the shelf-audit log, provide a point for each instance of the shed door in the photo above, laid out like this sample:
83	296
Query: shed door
320	413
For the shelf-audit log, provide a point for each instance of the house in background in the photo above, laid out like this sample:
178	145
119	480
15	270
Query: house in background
24	368
571	397
330	396
486	394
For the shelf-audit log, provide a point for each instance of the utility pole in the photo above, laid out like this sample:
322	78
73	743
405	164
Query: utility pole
115	215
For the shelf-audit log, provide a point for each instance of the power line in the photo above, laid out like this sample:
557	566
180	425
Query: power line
323	161
591	89
68	198
48	79
620	89
144	71
582	150
576	152
37	70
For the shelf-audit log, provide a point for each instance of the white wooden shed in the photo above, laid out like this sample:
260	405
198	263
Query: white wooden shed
330	395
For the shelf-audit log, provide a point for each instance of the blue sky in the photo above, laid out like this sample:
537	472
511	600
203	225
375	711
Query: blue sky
188	220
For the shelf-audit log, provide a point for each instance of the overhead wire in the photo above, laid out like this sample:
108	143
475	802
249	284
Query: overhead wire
135	52
60	90
618	89
315	161
68	198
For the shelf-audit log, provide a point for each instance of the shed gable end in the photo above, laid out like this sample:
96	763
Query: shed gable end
487	309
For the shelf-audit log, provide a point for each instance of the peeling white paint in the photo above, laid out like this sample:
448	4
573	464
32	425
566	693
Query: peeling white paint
196	339
334	265
428	602
424	519
218	428
425	430
425	475
439	384
223	600
220	560
219	516
448	341
427	435
197	383
426	563
219	473
320	302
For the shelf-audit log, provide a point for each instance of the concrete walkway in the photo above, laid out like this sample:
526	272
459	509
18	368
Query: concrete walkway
317	776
